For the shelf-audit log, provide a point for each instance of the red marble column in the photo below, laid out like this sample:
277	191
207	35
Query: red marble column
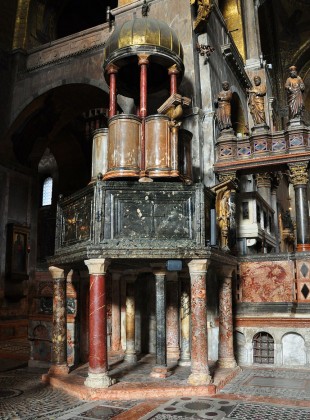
226	344
59	334
172	317
112	71
199	346
173	73
143	63
98	358
116	312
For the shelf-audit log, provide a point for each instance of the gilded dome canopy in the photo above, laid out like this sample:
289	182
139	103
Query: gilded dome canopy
142	36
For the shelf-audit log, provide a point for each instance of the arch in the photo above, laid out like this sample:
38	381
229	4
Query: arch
240	348
293	349
237	115
263	348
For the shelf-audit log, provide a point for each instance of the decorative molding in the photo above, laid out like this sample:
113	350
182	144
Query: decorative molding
235	62
299	173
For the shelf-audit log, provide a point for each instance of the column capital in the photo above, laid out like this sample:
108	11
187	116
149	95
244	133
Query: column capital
228	176
143	59
112	69
198	266
299	173
226	271
159	269
263	180
56	272
97	265
173	70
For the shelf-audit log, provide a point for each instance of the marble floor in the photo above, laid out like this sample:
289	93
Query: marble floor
255	393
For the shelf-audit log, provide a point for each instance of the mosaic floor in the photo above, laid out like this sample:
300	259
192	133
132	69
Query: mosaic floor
259	394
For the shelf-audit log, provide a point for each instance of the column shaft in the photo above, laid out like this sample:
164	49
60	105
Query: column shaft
59	334
130	353
98	358
112	71
226	345
185	324
116	313
173	350
199	352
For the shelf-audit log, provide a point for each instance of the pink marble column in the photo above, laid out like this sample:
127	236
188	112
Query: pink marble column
59	334
226	344
172	317
98	356
116	312
199	346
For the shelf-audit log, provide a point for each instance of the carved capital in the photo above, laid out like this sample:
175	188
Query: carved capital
173	70
299	173
56	272
263	180
97	265
112	69
228	176
143	59
198	266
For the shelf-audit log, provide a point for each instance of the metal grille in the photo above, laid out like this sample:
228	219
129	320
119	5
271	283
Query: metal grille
263	348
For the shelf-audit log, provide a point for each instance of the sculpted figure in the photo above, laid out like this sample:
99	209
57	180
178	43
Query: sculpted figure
223	113
294	87
223	219
203	10
256	101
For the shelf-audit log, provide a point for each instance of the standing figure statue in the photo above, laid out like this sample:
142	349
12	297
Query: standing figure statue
223	106
256	101
294	87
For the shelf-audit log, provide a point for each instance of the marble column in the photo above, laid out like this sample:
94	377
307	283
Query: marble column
161	369
251	29
274	186
130	353
116	312
299	178
199	345
98	355
59	332
143	63
226	343
112	71
173	349
173	72
185	359
263	181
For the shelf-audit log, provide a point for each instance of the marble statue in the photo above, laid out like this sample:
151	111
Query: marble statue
295	87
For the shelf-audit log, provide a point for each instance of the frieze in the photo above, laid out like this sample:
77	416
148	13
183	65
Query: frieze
67	47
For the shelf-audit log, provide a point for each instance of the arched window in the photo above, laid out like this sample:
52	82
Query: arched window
47	191
263	348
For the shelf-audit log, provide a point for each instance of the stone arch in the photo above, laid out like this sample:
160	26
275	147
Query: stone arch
293	349
240	348
263	348
237	115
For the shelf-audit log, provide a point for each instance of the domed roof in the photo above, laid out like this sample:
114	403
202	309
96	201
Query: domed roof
148	36
141	32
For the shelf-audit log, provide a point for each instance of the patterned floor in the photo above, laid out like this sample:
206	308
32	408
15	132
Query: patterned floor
259	394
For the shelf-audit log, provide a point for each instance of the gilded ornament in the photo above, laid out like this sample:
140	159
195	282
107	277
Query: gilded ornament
299	173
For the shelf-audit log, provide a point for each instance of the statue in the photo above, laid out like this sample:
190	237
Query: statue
294	87
203	10
223	106
224	219
256	101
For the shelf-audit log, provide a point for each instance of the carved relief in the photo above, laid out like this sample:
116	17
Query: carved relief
204	8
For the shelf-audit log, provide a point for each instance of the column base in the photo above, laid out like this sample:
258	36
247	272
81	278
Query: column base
99	380
160	372
197	379
302	247
227	363
59	369
184	362
173	353
130	358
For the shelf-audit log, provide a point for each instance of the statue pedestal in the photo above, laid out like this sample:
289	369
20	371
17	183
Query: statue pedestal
295	122
260	128
226	145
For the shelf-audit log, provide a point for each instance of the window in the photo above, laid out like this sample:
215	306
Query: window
263	348
47	191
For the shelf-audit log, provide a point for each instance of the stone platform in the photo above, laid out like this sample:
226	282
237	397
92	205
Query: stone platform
133	381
